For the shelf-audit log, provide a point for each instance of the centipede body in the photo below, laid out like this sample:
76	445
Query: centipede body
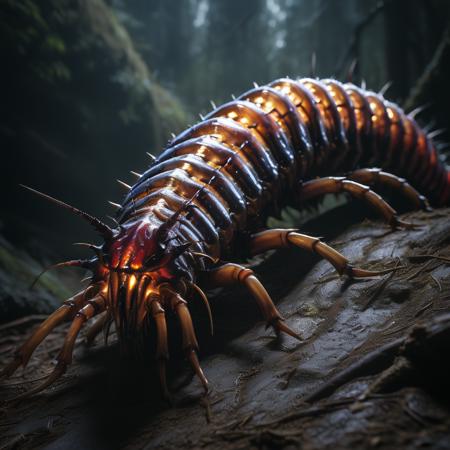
204	202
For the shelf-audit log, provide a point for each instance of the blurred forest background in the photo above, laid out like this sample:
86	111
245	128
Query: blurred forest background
89	86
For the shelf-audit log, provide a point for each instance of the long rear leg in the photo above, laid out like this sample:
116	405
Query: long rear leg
334	185
378	178
284	238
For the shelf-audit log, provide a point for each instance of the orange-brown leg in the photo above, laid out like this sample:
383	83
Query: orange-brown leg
190	344
162	346
378	178
94	306
335	185
23	354
283	238
232	274
97	328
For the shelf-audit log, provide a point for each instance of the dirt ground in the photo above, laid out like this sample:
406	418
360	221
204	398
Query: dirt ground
370	373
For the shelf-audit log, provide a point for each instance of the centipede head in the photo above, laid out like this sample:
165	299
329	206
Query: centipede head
142	256
136	259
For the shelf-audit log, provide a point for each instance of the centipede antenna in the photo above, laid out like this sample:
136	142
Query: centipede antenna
385	88
81	263
101	227
153	157
213	105
114	205
255	84
351	70
123	184
137	175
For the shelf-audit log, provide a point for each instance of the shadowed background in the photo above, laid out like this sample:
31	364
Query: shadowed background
89	86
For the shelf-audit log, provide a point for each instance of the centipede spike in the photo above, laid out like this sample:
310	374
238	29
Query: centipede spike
202	117
123	184
193	359
416	111
204	255
313	67
363	84
385	88
435	133
351	70
137	175
255	85
430	125
233	96
113	219
114	205
173	135
152	157
213	105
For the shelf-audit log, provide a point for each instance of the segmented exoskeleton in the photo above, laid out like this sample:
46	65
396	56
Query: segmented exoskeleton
204	202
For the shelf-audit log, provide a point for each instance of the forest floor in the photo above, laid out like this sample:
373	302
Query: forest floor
370	373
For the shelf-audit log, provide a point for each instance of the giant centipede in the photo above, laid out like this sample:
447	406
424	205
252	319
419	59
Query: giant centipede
204	201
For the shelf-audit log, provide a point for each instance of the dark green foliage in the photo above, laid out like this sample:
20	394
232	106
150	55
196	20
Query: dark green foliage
80	108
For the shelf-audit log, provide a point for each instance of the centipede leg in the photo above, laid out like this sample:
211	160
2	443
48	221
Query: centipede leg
64	359
97	328
162	347
334	185
23	354
376	177
284	238
190	344
234	274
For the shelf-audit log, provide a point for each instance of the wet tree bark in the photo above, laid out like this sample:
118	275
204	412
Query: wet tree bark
370	372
